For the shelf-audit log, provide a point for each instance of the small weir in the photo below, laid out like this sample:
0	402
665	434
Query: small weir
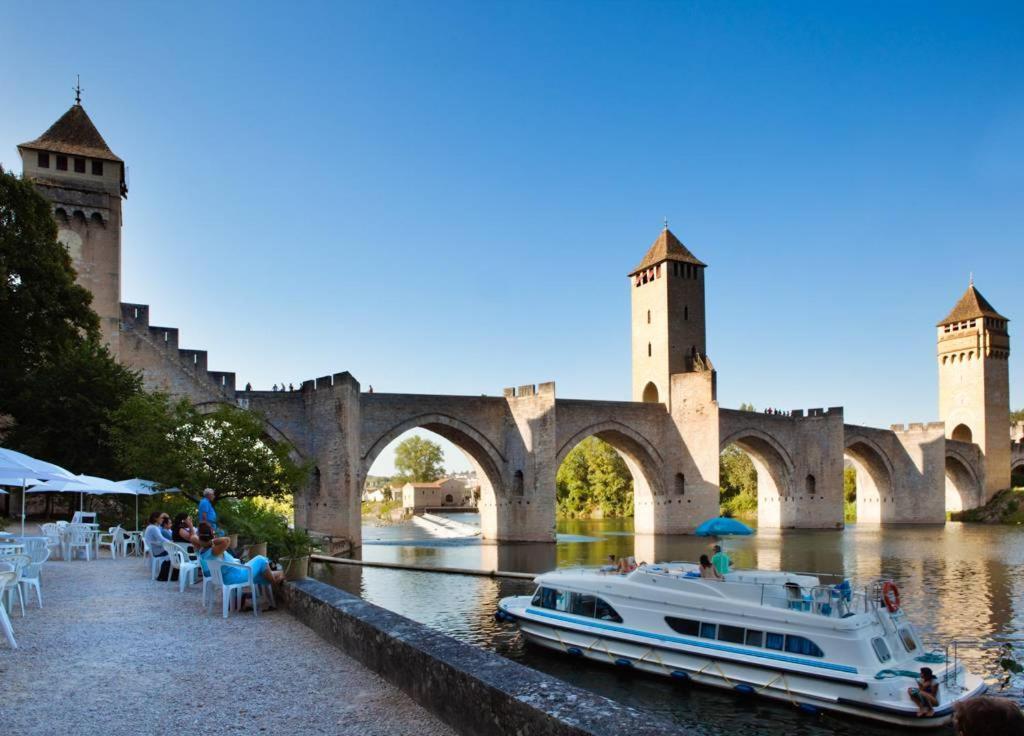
441	526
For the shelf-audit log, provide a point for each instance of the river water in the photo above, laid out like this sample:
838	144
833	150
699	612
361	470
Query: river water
960	582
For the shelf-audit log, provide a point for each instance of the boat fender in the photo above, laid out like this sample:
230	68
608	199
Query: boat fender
807	708
574	651
623	662
680	675
744	689
891	596
499	615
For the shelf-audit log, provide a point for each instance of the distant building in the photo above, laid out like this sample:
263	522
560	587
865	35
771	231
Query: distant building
445	492
377	495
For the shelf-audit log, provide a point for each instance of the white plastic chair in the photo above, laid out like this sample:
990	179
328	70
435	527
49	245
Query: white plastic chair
79	537
32	574
154	562
184	564
52	533
17	564
115	540
7	578
230	593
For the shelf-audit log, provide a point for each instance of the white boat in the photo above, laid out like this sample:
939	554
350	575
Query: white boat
785	636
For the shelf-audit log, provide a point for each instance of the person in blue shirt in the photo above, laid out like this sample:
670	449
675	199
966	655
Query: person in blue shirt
216	548
207	513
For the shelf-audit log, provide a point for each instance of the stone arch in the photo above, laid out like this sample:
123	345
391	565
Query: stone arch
1017	472
875	496
650	395
645	465
60	214
962	433
963	488
485	458
775	472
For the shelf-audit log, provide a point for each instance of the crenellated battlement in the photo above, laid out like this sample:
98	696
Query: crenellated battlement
918	427
541	389
328	382
153	350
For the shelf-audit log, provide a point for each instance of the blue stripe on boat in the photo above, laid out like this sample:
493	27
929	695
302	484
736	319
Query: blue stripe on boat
696	642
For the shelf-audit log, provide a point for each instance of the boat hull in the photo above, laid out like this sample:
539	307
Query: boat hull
885	701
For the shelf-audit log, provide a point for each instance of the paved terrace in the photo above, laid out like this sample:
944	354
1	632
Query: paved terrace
113	653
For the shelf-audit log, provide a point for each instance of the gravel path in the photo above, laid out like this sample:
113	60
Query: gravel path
113	653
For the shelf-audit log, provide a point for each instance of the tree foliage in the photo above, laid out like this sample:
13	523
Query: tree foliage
737	481
418	460
58	385
226	450
594	480
1017	416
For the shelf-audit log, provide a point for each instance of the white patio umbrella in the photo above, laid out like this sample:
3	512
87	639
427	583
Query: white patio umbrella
15	464
142	487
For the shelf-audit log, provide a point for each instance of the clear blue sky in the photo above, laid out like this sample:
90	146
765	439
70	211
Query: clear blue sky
447	197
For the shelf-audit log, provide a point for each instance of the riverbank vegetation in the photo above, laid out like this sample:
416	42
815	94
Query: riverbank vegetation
1006	507
593	482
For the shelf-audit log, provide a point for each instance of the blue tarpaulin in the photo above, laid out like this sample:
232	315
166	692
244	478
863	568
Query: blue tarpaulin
721	526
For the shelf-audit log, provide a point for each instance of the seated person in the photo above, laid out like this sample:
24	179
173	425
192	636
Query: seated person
926	694
154	536
182	530
217	548
707	570
165	528
610	564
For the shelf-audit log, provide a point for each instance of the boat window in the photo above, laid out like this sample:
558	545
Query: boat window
707	631
606	612
546	598
755	638
881	649
907	637
802	645
683	625
562	600
774	641
732	634
582	604
537	597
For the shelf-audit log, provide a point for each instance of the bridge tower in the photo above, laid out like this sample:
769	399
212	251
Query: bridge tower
974	383
72	167
668	317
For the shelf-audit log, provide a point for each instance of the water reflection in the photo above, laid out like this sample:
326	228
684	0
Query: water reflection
957	581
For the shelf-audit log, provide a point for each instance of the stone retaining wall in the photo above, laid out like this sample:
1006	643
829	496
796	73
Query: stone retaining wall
473	690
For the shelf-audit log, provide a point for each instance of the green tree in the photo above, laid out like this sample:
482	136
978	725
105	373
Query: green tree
225	450
747	407
594	478
42	310
1017	416
850	484
65	411
418	460
737	481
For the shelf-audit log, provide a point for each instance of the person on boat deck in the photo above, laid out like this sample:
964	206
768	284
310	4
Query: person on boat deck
610	564
217	548
926	694
986	716
721	561
707	570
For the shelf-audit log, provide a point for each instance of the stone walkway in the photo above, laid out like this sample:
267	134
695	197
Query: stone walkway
113	653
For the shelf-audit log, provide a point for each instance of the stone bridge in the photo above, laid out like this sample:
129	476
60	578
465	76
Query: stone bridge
516	443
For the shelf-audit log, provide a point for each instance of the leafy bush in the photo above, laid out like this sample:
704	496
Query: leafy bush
254	520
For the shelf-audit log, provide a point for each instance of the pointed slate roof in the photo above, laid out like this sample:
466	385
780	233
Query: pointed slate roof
971	306
667	247
73	133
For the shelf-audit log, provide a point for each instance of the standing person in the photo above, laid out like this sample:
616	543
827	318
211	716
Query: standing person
207	513
721	561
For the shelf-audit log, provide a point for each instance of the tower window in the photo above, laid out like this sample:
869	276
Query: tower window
811	484
62	163
79	165
97	168
648	350
43	160
686	313
648	316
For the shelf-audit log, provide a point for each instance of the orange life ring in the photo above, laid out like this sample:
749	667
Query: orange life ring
891	596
